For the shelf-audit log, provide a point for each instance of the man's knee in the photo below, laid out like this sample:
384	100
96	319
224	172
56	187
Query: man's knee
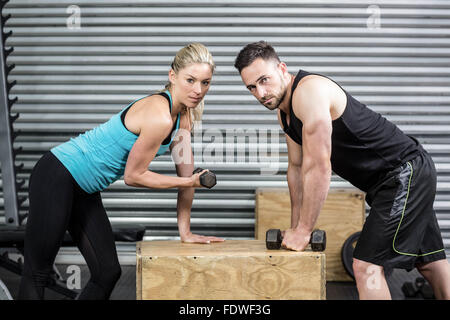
360	268
432	266
363	269
369	275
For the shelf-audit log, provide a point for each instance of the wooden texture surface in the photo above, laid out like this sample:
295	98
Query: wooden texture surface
234	269
342	215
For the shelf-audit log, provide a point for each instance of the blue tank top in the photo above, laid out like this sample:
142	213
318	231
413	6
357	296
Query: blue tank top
98	157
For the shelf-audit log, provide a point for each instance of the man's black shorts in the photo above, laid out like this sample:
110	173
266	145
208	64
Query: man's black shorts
401	229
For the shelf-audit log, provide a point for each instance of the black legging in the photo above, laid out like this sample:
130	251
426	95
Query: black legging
57	204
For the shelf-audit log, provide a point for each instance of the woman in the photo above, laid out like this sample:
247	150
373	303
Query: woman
65	184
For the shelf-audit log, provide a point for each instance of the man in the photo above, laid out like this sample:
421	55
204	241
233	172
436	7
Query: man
327	129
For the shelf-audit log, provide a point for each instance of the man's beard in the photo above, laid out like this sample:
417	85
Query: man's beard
275	103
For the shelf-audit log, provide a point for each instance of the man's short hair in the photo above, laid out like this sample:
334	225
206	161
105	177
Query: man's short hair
253	51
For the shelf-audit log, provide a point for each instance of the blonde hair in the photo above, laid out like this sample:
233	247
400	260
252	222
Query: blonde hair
192	53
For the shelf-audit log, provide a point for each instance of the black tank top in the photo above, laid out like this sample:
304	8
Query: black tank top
365	145
167	139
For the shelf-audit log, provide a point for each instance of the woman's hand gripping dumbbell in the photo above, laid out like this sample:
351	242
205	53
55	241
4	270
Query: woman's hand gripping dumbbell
207	178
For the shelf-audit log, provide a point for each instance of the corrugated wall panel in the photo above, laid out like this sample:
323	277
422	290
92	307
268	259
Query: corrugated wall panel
70	80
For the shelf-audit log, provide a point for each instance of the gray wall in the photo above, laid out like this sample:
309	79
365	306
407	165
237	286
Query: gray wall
392	55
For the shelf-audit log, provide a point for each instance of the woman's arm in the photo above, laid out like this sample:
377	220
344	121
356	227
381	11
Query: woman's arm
181	150
156	125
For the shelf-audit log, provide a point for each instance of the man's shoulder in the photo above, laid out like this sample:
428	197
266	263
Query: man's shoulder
312	91
312	84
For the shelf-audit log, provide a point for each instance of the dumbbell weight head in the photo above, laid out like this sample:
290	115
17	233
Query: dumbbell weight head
273	239
318	240
427	291
208	179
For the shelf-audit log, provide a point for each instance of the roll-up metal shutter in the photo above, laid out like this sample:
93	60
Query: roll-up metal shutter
392	55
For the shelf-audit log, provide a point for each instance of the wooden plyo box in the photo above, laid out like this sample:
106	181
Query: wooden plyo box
229	270
342	214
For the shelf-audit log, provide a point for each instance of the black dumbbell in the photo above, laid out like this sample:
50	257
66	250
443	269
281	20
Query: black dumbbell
412	290
427	291
409	290
318	239
207	179
424	288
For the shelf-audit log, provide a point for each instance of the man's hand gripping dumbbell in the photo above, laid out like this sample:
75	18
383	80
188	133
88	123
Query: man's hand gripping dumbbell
274	238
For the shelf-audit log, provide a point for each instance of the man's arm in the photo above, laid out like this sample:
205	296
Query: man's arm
313	109
311	104
294	178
